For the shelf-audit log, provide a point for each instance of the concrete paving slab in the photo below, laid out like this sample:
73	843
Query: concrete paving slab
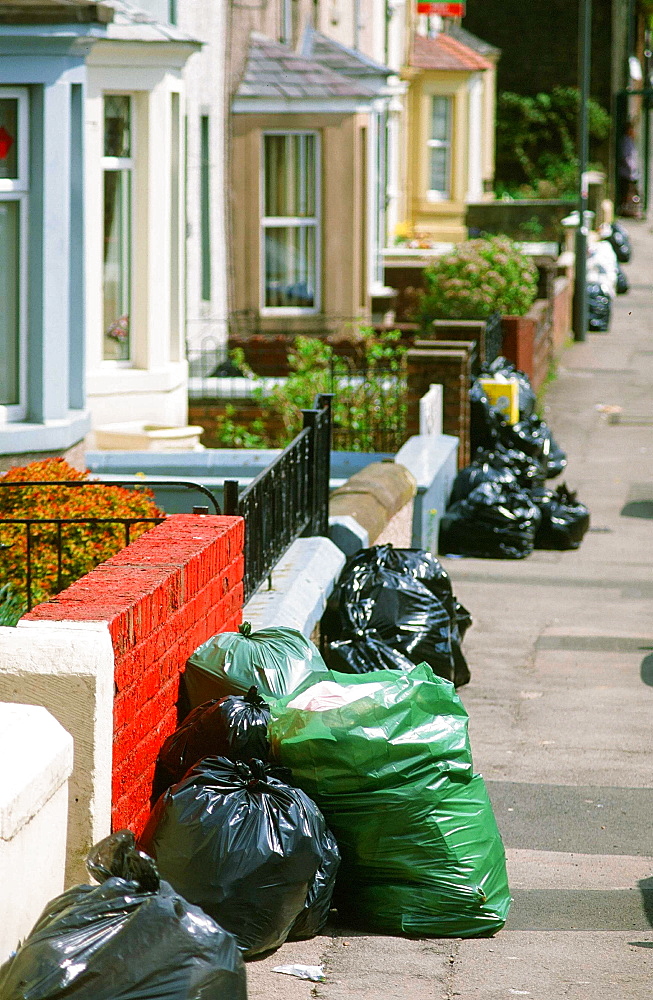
530	869
583	818
555	965
579	910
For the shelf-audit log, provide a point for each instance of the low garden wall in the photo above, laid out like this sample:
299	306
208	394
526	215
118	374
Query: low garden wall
138	617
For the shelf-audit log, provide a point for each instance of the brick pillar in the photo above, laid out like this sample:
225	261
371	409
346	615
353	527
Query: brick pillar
465	330
452	370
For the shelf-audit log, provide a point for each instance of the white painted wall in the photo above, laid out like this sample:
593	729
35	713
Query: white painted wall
153	388
205	82
36	760
475	144
67	668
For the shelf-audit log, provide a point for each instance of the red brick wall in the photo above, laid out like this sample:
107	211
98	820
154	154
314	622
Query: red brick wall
562	312
452	370
161	597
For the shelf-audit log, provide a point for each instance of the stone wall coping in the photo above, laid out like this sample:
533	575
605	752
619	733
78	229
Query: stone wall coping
301	583
36	759
390	484
423	455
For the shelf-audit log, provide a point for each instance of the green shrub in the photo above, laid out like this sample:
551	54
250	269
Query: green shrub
362	406
479	278
83	545
12	606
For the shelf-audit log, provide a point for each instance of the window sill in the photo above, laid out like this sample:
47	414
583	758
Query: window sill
52	435
288	311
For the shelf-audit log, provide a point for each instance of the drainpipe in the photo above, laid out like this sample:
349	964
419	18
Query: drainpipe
580	318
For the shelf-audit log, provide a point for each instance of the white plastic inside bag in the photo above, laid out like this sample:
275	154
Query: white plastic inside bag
327	694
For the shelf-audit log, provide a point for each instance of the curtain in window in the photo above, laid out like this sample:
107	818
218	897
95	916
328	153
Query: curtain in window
290	221
117	263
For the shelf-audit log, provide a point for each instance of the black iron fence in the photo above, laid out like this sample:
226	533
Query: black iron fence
40	556
369	405
288	499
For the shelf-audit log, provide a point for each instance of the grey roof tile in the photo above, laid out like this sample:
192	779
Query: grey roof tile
273	70
472	41
339	58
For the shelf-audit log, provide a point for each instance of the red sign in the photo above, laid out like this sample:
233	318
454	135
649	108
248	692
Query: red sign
443	9
6	142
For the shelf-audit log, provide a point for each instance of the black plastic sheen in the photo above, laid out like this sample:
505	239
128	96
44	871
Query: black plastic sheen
397	605
496	521
130	938
236	727
248	848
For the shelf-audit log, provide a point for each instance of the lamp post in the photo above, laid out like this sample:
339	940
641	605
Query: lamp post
580	318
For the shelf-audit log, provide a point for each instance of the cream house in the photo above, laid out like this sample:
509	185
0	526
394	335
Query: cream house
450	124
136	368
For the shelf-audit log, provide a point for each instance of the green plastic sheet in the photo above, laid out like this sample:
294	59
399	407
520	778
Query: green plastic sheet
386	756
275	660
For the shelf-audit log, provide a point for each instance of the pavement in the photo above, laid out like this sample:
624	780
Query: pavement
561	713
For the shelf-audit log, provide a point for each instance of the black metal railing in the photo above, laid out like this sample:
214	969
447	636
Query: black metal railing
493	337
288	499
370	406
38	551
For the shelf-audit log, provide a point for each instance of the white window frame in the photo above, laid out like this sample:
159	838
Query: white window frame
285	22
282	222
433	194
17	189
115	164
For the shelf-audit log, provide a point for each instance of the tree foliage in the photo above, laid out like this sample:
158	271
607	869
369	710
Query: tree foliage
537	141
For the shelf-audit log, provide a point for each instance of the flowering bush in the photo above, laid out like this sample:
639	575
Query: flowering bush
83	545
480	277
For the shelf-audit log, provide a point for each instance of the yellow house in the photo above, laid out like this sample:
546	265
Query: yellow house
450	134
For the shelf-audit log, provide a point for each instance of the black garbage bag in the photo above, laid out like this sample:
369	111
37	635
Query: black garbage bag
496	521
526	470
365	653
564	519
485	420
401	598
555	459
463	619
527	397
622	281
599	305
235	727
130	938
243	844
533	437
480	471
619	240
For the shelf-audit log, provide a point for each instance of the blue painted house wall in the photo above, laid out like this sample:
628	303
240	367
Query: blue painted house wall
50	62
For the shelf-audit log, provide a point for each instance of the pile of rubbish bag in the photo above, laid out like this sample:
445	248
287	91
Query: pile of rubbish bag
238	855
605	276
132	936
500	507
394	608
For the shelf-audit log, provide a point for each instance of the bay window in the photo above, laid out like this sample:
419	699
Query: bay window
439	148
14	191
118	167
290	223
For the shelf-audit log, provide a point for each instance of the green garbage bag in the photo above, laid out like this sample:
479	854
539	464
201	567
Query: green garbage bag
386	757
276	660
